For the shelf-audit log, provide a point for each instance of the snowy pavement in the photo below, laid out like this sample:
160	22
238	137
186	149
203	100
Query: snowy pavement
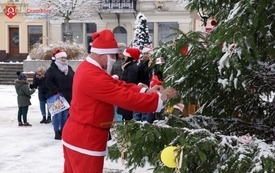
33	149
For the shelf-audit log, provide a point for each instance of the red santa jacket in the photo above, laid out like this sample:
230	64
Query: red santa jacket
92	107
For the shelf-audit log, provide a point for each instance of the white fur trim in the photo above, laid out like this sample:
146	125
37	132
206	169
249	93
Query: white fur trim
126	53
85	151
115	76
53	58
60	54
92	61
104	51
160	103
142	90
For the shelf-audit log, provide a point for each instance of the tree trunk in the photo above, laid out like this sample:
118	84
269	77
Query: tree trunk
68	36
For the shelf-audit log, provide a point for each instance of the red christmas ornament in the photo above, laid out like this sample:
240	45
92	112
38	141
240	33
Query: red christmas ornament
213	22
184	50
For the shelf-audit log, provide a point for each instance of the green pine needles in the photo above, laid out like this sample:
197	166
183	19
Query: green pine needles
203	151
231	72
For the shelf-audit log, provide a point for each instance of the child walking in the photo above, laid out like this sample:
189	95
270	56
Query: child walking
23	98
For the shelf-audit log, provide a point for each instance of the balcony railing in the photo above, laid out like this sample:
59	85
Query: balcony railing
118	5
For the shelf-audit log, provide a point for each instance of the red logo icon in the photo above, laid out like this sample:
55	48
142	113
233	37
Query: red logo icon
10	11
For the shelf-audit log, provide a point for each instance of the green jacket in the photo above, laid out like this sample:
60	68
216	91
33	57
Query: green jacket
23	93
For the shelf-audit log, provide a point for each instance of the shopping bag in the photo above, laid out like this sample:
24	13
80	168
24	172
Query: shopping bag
57	103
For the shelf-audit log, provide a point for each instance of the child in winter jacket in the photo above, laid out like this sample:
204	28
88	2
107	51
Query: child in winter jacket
23	98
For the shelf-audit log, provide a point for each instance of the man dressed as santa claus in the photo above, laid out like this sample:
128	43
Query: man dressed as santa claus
94	95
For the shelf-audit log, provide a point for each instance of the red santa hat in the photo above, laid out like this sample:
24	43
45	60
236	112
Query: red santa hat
104	42
59	53
132	52
155	81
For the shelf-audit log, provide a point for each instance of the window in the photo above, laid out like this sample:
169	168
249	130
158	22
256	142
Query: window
75	32
120	34
151	31
35	34
165	29
80	32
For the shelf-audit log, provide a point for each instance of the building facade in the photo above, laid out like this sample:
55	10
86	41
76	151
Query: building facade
18	35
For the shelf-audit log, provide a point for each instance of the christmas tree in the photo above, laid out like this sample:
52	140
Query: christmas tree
231	71
141	38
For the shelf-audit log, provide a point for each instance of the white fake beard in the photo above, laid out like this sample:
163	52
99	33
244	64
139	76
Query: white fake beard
110	63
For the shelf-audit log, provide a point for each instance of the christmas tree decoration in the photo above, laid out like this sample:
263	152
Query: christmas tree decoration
141	38
168	156
184	50
213	23
204	144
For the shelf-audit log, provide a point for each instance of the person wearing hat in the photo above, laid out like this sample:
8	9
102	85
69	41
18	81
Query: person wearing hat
23	98
129	75
156	69
144	66
95	92
59	79
143	77
116	70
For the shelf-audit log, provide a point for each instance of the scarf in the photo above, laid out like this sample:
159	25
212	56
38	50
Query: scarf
62	66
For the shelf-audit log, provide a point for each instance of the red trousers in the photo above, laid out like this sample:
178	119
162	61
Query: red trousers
76	162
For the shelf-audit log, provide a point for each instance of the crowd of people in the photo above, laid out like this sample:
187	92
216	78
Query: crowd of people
113	80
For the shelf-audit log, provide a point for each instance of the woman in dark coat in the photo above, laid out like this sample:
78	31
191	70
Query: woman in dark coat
129	75
39	81
59	79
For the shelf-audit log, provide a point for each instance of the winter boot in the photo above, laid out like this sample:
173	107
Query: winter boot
49	120
27	124
57	135
20	124
43	120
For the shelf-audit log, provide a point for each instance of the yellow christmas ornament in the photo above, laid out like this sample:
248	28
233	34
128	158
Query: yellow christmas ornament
168	157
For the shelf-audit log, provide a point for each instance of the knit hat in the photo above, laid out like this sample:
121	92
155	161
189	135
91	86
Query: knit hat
59	53
121	46
104	42
146	49
132	52
21	75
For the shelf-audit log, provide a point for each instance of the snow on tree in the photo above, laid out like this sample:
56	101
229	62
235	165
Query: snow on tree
65	10
62	10
231	70
141	38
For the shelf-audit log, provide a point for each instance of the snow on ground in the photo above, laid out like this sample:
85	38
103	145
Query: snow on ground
33	149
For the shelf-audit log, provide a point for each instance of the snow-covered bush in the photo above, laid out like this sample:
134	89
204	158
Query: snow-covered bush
43	52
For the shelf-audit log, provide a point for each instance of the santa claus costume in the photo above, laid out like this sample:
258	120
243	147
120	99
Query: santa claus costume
95	93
